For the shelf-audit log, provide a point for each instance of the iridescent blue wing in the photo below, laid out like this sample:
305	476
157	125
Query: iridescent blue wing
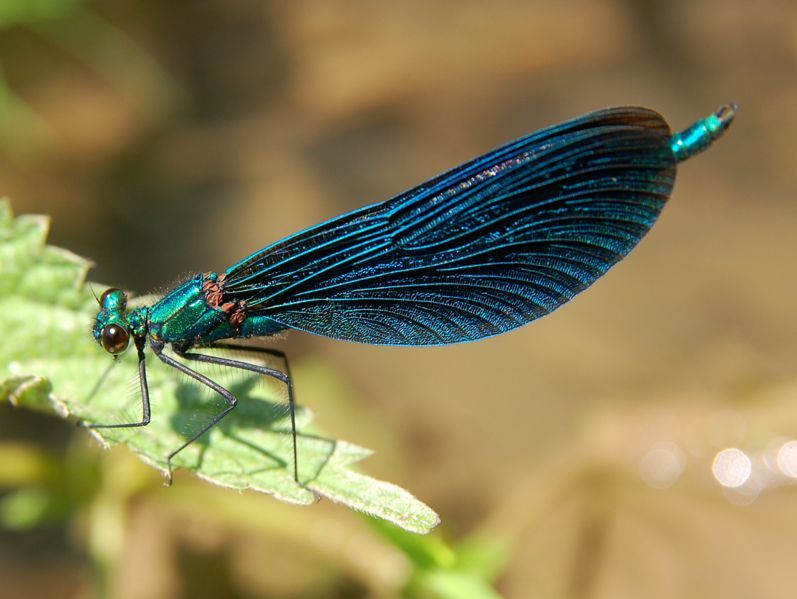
478	251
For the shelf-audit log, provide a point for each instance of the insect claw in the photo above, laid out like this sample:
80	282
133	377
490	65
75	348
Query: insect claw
169	475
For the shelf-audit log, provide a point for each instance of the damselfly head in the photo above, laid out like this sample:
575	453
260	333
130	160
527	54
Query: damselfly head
111	329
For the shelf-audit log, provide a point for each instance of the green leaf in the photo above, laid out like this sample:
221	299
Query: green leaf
49	362
443	571
426	553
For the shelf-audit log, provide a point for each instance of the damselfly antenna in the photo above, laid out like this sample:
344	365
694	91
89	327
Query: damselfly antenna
99	303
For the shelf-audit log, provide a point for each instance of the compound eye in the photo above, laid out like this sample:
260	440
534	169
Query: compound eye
115	339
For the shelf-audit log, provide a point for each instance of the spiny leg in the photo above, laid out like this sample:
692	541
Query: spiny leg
254	349
285	377
231	400
142	377
277	353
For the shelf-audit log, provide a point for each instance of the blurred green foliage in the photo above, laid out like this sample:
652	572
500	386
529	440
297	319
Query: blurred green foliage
81	485
97	43
25	12
467	569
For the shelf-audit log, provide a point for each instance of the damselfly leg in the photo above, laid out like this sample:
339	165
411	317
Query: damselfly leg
285	377
142	377
231	400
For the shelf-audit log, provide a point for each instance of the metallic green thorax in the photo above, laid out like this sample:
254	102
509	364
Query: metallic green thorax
700	136
184	314
194	313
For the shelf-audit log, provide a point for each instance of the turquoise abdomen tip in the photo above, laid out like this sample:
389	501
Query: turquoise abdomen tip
702	134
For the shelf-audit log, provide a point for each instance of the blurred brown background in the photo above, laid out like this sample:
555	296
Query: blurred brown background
168	137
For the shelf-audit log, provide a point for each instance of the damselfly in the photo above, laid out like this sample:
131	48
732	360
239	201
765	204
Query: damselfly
480	250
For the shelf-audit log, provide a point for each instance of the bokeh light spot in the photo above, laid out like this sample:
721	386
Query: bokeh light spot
732	467
787	459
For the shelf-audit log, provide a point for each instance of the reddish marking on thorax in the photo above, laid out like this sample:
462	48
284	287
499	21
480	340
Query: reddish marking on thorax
214	290
214	296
